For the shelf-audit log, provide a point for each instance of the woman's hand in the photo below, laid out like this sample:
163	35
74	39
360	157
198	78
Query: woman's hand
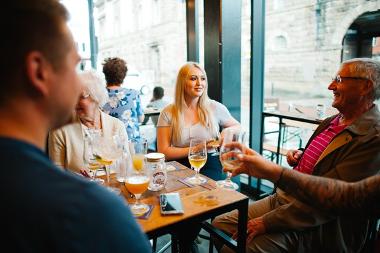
293	157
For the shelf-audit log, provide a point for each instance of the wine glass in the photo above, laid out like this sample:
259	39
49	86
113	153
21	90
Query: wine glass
89	158
230	163
108	152
197	158
137	182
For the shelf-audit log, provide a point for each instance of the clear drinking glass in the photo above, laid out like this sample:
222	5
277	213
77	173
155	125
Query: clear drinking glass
197	158
107	151
231	135
138	149
137	182
89	158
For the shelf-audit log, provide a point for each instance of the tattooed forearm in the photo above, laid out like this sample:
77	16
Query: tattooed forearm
362	197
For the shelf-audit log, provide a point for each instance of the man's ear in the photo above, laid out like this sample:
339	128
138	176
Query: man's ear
367	88
38	70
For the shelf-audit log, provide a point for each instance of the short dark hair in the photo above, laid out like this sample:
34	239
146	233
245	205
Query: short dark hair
158	92
115	69
29	25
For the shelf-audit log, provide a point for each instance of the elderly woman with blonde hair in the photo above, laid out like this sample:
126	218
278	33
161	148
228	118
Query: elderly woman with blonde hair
66	145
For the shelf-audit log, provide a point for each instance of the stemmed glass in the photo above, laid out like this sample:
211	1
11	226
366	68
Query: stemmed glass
197	158
230	163
105	152
89	158
137	182
109	152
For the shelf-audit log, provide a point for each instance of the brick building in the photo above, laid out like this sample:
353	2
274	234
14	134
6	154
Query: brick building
303	41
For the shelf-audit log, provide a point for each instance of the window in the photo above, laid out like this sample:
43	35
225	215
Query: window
144	39
323	33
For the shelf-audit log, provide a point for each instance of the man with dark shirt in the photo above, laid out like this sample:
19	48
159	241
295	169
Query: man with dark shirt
45	209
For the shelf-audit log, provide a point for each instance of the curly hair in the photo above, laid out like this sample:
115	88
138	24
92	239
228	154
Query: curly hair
115	70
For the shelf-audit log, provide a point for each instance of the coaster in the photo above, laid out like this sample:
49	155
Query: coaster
147	214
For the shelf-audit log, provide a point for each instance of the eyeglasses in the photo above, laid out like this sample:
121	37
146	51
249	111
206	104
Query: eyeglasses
339	78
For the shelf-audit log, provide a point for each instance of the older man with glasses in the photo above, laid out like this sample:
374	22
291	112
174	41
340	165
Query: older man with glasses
342	147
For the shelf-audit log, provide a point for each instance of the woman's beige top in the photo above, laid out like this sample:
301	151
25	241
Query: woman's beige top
66	144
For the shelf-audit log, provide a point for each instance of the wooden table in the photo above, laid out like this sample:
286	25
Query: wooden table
197	206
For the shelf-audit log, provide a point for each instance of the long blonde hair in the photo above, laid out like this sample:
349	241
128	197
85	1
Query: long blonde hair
205	116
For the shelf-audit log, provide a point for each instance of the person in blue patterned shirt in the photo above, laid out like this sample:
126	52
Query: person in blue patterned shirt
124	104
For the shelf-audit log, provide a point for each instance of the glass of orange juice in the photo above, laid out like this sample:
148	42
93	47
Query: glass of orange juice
138	148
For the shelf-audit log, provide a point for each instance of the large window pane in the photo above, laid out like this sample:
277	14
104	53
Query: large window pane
149	34
305	44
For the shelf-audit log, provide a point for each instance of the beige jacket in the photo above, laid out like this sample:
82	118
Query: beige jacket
66	145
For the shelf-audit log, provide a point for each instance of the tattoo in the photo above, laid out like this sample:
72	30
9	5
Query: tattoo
362	198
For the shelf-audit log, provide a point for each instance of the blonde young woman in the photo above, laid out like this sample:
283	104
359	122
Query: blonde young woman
192	115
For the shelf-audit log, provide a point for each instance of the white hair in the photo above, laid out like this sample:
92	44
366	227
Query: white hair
368	69
96	86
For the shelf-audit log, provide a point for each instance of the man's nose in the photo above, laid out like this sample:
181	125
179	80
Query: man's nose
332	85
